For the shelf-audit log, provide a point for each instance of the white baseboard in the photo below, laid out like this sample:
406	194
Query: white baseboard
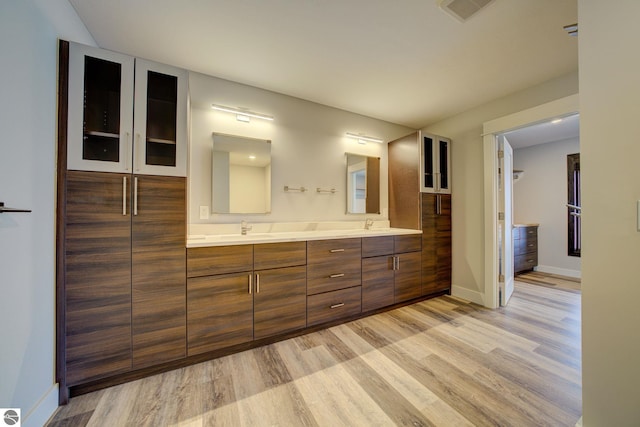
43	410
467	294
577	274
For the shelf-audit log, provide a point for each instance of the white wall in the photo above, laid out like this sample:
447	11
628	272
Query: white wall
465	131
28	46
610	149
540	196
308	146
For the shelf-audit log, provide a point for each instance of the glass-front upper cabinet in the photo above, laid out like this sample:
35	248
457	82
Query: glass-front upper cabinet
100	110
106	134
435	164
160	119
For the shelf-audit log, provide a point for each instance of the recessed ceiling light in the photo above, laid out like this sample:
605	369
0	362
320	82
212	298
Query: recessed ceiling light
252	157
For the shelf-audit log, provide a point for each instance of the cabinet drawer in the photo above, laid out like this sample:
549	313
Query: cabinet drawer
525	262
278	255
409	243
377	246
333	250
333	264
219	260
525	246
333	275
334	305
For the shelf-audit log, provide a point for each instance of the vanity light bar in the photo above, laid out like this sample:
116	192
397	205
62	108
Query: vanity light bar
364	137
241	113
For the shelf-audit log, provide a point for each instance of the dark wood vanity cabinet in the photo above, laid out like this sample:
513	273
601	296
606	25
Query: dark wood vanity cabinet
236	294
525	248
390	270
408	253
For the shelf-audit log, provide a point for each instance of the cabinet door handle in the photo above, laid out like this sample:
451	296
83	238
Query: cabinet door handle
333	251
124	196
335	276
250	283
397	262
127	157
137	154
337	305
257	283
135	195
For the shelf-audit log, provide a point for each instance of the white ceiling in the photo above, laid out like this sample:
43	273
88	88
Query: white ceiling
404	61
545	132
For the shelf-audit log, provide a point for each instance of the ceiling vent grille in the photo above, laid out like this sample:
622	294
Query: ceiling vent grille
463	9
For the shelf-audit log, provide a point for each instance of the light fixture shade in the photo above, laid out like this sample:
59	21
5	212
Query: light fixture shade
245	114
365	138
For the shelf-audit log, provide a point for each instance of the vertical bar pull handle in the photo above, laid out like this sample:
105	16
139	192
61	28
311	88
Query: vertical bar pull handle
127	154
257	283
124	196
137	156
135	195
250	283
397	263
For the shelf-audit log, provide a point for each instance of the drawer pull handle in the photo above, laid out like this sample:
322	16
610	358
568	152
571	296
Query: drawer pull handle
337	305
333	251
529	260
530	245
335	276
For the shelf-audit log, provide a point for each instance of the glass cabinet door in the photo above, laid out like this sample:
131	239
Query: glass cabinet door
160	133
435	164
444	165
427	163
100	110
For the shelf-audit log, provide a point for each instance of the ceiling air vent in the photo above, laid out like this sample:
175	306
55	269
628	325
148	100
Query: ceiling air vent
463	9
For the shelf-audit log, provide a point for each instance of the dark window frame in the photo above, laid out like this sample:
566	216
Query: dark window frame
574	221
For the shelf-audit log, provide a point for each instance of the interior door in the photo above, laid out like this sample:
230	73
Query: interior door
505	219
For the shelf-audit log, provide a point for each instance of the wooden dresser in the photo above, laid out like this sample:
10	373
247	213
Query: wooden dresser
525	247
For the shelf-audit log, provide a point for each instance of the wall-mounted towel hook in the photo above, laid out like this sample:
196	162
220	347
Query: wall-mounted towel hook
3	209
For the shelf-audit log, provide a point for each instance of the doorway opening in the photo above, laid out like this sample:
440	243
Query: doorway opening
563	107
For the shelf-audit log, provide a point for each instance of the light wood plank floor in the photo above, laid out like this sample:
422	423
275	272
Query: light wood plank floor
441	362
551	280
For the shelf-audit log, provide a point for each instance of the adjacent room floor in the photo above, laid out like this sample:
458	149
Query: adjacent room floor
441	362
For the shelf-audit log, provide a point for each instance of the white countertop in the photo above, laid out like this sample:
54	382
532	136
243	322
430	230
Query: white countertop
204	240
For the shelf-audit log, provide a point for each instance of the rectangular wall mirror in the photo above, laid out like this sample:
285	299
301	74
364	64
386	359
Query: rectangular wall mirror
240	175
363	184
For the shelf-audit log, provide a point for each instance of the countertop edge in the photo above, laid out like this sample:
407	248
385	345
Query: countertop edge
302	236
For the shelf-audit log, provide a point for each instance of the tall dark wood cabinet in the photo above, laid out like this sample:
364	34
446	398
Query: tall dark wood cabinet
436	243
158	270
121	281
420	198
404	182
97	325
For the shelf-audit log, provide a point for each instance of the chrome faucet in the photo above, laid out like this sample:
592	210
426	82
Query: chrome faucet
244	227
368	224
